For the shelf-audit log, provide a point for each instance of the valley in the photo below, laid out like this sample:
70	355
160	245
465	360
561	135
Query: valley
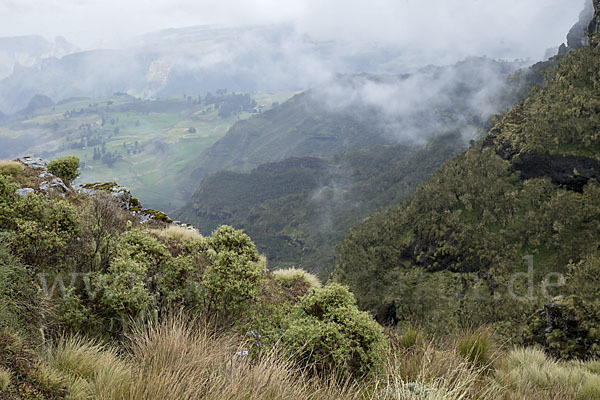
145	145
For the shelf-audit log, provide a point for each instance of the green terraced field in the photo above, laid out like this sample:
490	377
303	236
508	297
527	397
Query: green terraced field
153	141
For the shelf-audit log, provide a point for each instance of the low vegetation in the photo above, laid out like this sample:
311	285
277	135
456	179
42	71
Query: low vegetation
110	309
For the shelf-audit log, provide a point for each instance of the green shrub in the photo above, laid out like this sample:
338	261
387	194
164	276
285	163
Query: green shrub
123	287
568	327
226	238
8	200
46	232
21	305
478	347
326	332
66	168
143	248
230	282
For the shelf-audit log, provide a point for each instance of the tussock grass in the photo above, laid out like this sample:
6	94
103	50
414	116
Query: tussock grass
88	369
179	233
182	359
408	338
5	379
11	168
422	369
290	276
478	347
529	373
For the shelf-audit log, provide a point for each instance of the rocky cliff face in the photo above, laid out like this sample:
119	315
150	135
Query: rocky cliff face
577	36
593	29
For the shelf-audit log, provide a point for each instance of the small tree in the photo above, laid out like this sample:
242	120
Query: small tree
66	168
235	273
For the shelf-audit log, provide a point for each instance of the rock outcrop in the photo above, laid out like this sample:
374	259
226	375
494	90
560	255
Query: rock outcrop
570	172
593	29
577	36
23	192
56	186
41	180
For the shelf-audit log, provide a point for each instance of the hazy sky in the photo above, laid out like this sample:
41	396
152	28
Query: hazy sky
497	28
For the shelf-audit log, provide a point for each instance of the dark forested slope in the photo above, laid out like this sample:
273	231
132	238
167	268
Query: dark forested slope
299	208
452	255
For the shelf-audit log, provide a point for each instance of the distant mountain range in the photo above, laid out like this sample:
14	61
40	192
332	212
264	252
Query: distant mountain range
192	60
29	51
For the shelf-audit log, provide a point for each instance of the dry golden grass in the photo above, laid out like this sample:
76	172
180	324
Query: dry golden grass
5	379
291	275
89	370
176	360
530	374
179	233
179	359
11	168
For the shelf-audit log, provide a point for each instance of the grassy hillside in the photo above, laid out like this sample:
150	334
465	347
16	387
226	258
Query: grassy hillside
298	209
143	144
500	230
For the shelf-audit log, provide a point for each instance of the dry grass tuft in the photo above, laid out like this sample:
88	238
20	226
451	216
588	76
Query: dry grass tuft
88	369
290	276
182	360
529	373
179	359
11	168
5	379
179	233
478	347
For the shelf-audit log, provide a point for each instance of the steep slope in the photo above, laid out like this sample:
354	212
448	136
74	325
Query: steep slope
353	112
298	209
453	255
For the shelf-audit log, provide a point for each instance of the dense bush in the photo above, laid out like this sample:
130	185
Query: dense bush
66	168
22	307
150	272
327	332
46	232
226	238
568	328
8	200
230	281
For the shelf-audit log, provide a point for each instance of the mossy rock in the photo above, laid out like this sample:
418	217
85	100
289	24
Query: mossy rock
157	215
102	186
